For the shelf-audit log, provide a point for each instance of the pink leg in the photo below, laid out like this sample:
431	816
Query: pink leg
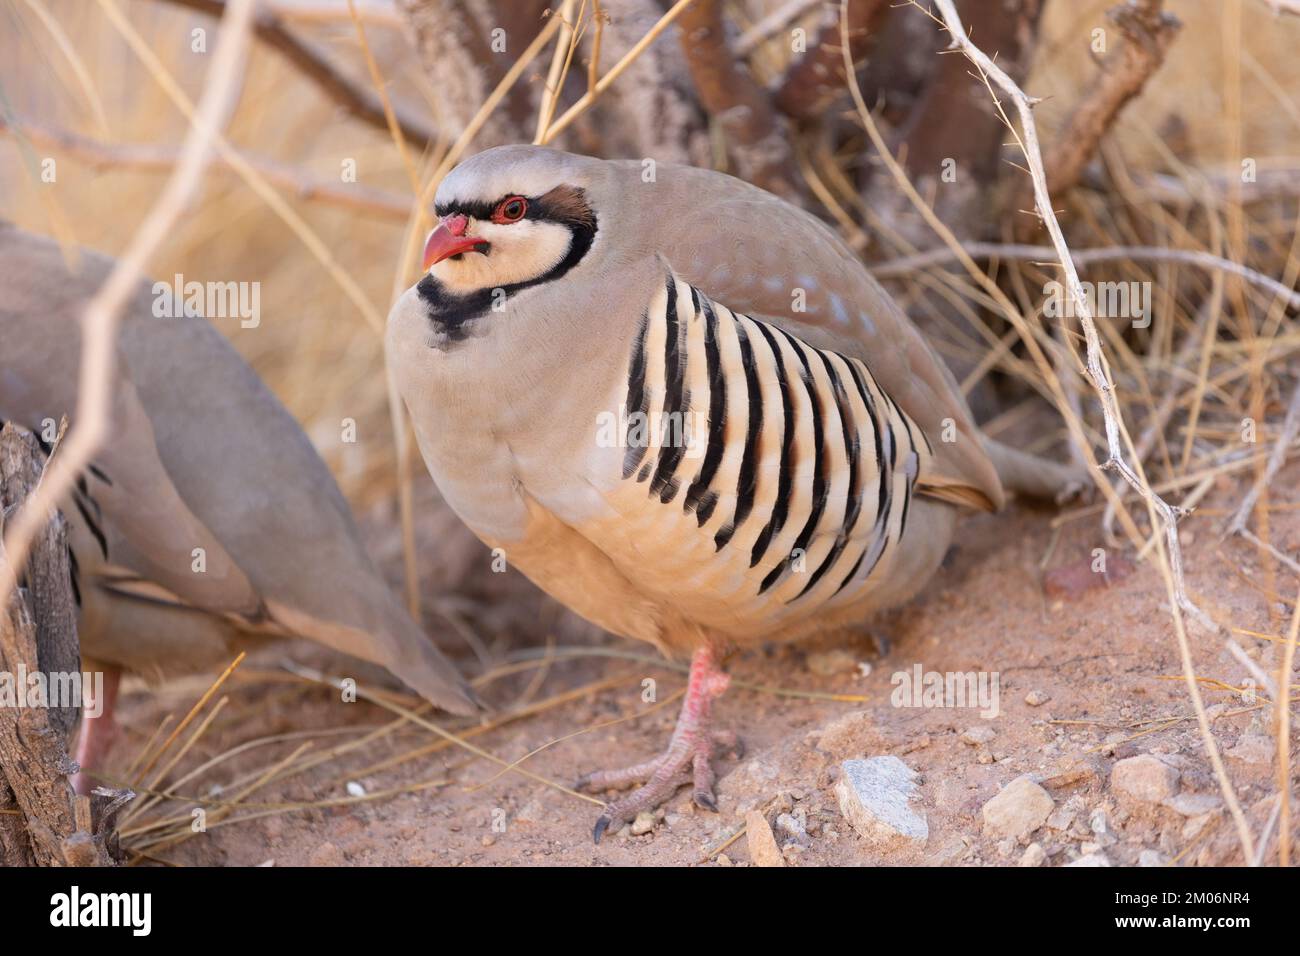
97	734
688	758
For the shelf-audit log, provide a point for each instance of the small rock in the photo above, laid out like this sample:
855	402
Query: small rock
1036	698
1061	818
875	797
1194	804
1018	810
1091	859
977	735
355	789
1111	741
830	663
643	824
327	854
1071	581
1100	827
488	840
724	860
792	828
762	844
1145	778
1069	777
1152	858
1034	855
1254	748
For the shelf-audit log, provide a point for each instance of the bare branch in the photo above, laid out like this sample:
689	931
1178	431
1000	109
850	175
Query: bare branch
773	23
1290	427
354	98
1085	257
1147	33
816	78
755	135
148	156
588	98
1116	434
100	320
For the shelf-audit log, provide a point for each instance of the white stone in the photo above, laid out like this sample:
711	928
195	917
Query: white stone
1092	859
1034	855
1145	777
875	796
1018	810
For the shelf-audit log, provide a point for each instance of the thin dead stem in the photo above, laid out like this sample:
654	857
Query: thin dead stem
102	315
1116	434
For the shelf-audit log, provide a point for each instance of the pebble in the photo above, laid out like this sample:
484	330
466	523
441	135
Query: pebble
830	663
1145	777
1254	748
355	789
977	735
1091	859
875	797
1034	855
327	854
762	844
1061	818
1018	810
1194	804
724	860
643	824
1036	698
1101	829
789	825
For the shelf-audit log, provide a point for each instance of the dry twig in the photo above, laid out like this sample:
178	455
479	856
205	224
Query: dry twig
355	99
100	322
756	139
1116	433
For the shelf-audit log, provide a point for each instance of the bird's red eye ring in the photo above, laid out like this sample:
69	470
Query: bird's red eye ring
510	210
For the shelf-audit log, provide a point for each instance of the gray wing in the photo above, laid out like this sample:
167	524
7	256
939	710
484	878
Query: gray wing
215	461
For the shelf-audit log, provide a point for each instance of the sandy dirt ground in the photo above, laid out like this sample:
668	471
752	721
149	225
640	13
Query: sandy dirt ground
1089	675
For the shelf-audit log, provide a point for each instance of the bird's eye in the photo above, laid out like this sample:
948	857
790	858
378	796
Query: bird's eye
510	210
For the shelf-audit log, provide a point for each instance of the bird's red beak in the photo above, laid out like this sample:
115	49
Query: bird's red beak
449	239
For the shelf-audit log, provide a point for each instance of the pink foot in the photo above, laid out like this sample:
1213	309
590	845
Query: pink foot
688	759
97	734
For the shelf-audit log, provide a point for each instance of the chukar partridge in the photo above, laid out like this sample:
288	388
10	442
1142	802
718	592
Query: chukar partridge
683	408
201	455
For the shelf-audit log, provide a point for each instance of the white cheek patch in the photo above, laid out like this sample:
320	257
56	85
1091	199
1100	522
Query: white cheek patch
520	252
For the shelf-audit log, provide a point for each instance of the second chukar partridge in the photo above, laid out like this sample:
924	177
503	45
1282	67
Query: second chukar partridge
683	408
201	455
